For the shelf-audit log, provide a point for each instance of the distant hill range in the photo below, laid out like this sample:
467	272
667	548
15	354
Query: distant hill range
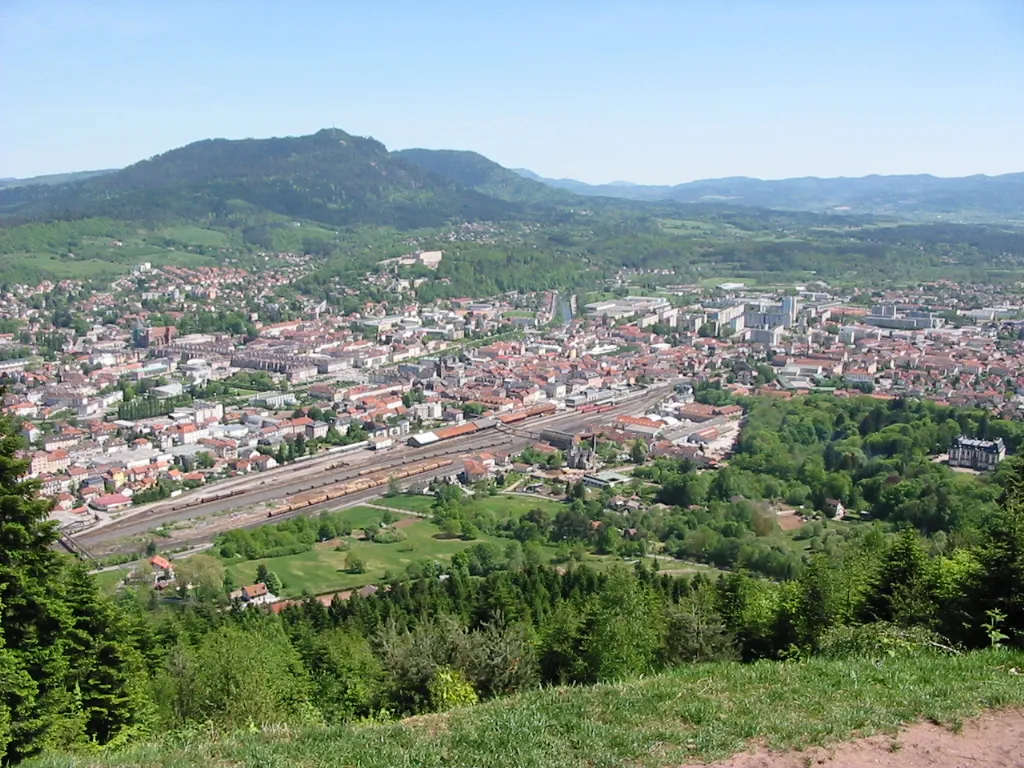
339	179
55	178
330	177
921	196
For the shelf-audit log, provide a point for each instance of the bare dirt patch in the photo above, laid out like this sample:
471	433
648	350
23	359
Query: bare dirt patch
789	522
994	740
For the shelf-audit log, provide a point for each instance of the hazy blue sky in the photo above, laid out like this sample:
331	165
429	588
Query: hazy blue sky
654	92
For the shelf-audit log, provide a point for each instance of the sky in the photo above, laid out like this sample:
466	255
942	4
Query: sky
649	91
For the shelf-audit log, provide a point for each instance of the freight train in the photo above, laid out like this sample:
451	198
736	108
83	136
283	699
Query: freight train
595	408
347	488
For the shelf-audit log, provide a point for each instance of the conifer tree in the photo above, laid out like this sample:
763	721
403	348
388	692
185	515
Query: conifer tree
34	615
69	674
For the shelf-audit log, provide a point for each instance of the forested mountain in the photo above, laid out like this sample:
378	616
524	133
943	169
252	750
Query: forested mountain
473	170
338	179
922	196
334	195
329	177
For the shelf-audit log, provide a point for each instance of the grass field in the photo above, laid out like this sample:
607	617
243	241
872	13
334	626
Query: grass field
47	264
108	580
360	517
322	570
503	505
694	713
190	235
514	505
410	502
519	313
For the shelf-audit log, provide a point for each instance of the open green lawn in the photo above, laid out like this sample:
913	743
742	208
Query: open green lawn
47	264
93	264
502	505
514	505
519	313
323	569
108	580
412	502
694	713
360	517
190	235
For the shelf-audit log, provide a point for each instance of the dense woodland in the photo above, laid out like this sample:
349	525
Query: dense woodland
85	671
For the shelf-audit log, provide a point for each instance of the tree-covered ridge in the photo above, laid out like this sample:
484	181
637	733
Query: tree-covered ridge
341	198
474	171
329	177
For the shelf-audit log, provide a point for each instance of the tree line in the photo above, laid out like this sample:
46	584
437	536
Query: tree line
85	671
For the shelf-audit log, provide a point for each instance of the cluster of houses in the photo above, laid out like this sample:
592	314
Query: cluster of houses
392	369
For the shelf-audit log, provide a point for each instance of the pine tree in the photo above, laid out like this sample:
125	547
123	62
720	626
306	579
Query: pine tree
273	582
108	669
34	615
14	683
898	592
66	676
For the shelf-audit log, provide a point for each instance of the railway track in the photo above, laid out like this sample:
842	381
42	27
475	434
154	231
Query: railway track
218	502
272	489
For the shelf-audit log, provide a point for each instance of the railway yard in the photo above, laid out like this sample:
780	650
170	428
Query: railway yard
328	482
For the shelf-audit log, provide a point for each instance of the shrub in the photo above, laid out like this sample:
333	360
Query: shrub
354	564
412	659
390	535
449	689
879	639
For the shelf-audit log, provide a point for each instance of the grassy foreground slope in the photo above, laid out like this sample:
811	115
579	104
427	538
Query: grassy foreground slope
698	712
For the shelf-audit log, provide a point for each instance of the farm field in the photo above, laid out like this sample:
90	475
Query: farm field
192	235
